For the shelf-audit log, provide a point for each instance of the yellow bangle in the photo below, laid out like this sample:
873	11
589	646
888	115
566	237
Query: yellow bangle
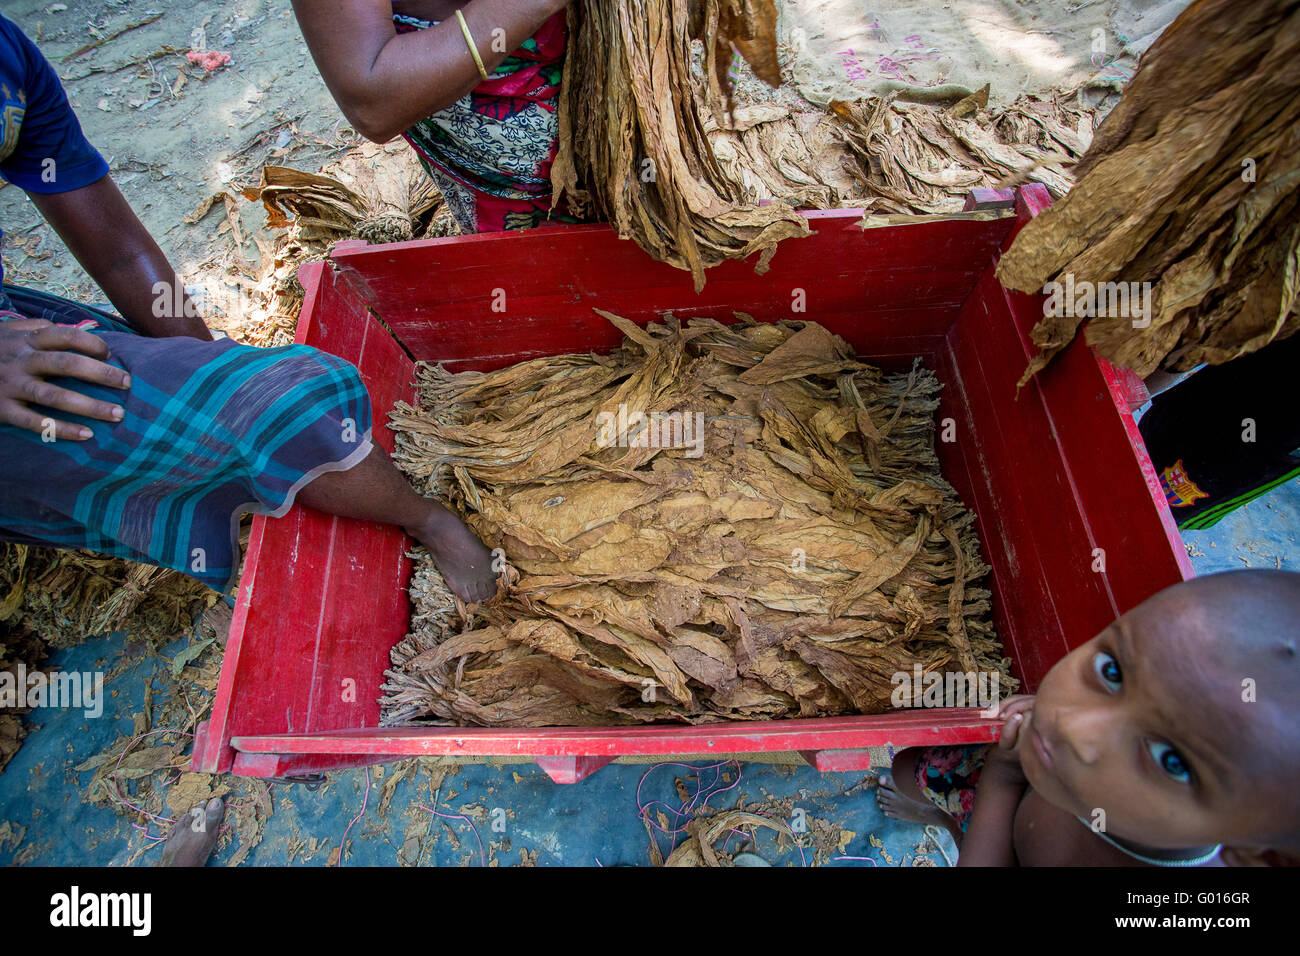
469	41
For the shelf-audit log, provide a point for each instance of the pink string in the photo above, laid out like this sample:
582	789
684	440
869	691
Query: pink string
697	802
688	807
482	861
867	858
365	798
116	797
727	842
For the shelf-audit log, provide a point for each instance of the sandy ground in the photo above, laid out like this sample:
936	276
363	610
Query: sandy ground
173	134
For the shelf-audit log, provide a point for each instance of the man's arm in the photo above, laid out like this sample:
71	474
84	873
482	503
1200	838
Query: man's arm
113	246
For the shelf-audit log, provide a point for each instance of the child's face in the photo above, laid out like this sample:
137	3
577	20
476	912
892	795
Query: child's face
1147	723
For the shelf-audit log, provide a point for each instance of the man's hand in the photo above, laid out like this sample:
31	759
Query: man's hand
32	350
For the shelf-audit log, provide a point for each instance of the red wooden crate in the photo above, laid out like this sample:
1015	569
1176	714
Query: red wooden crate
1052	474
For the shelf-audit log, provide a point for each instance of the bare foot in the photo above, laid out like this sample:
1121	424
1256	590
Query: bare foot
194	835
898	806
463	560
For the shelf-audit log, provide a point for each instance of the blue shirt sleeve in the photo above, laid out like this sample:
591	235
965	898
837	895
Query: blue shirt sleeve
47	151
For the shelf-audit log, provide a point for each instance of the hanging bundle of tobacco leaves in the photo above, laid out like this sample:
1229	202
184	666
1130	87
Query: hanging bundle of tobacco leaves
1192	186
633	147
710	522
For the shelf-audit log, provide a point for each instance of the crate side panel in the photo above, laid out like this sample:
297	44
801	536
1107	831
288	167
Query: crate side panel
290	581
274	634
904	280
1035	534
1119	492
960	463
900	729
363	599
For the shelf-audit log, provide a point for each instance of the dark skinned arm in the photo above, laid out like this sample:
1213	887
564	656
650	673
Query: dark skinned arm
111	243
384	82
989	839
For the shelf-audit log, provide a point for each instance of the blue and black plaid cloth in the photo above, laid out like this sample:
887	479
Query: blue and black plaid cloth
212	430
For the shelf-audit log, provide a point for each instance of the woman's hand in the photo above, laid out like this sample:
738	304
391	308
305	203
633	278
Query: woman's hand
32	350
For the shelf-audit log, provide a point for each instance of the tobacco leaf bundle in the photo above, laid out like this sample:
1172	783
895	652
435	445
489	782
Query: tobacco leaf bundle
1192	183
65	597
776	541
375	192
633	147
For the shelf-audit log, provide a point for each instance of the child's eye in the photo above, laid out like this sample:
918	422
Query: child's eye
1170	761
1107	669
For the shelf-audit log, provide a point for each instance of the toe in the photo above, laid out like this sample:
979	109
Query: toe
215	812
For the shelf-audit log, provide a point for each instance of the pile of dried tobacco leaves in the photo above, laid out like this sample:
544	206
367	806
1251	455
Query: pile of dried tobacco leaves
788	557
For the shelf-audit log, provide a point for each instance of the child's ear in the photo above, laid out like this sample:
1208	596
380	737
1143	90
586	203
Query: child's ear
1258	856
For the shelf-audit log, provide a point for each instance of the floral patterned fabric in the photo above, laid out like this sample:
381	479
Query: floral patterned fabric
947	777
490	152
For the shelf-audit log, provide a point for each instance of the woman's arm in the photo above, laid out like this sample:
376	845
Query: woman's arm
385	83
113	246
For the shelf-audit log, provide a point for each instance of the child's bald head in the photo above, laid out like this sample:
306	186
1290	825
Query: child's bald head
1182	719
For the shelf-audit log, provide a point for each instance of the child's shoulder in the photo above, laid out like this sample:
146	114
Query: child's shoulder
1045	835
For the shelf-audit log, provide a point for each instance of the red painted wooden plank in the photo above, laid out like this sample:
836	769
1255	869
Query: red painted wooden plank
907	279
961	464
469	267
837	761
285	612
1118	491
1014	468
359	622
1054	475
902	729
571	769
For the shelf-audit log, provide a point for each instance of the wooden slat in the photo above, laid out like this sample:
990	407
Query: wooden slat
437	295
901	729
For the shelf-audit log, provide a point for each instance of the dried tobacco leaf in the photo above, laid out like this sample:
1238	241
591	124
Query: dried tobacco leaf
776	540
